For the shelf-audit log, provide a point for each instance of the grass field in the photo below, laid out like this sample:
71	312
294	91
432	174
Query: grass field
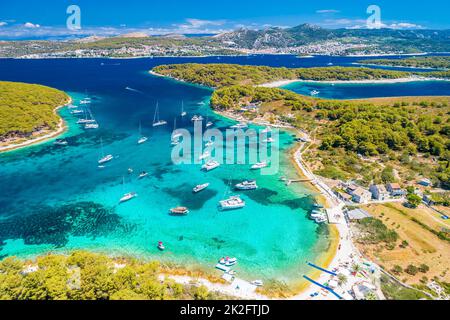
423	246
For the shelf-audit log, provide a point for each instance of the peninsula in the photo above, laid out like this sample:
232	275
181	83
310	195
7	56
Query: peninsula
28	114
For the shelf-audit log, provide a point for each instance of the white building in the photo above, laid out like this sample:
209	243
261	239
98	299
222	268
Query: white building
379	192
361	195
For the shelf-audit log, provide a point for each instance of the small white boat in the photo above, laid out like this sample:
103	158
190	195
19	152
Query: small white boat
200	187
197	118
232	203
204	155
240	126
260	165
222	268
142	140
258	283
84	121
228	260
175	142
161	246
76	111
183	113
247	185
86	101
320	220
209	124
315	92
210	165
269	140
128	197
267	130
71	106
91	126
143	175
130	170
105	159
60	142
156	121
159	123
179	211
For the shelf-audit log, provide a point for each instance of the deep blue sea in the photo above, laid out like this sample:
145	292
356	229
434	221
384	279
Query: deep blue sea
57	199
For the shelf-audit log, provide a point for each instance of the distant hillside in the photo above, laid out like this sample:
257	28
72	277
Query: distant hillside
302	39
409	40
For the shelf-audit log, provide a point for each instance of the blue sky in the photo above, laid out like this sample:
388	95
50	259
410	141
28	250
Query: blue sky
34	18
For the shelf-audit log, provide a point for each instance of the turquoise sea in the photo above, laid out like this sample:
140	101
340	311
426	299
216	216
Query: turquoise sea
57	199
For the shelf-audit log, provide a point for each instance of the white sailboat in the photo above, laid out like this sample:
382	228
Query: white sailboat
183	113
156	121
104	158
175	134
142	138
127	196
231	203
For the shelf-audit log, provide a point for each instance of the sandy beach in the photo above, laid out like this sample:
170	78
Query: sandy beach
281	83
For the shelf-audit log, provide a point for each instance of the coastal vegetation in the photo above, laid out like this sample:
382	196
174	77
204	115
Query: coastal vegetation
413	62
421	250
90	276
221	75
374	231
28	110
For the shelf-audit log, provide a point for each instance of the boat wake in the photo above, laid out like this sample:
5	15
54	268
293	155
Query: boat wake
133	90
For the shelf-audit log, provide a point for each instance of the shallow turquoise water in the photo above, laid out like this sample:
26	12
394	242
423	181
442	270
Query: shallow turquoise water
57	199
371	90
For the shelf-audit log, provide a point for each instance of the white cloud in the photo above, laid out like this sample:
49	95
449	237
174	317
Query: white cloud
328	11
31	25
405	25
394	25
199	23
3	23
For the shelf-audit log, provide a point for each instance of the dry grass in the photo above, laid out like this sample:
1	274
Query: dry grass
424	247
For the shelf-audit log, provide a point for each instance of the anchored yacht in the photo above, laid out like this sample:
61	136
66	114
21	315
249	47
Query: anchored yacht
247	185
210	165
200	187
232	203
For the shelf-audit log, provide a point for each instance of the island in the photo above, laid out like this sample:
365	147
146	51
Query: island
434	62
383	161
91	276
28	114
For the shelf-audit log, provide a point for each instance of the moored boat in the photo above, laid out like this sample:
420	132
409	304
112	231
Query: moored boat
105	159
210	165
258	283
234	202
60	142
128	196
260	165
200	187
161	246
182	211
240	126
247	185
156	121
143	175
